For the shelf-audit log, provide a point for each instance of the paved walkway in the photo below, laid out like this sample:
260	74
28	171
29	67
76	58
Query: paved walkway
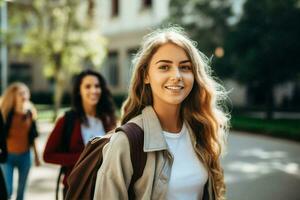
256	167
42	180
262	168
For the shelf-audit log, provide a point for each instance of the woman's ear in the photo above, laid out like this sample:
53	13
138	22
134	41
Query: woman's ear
146	80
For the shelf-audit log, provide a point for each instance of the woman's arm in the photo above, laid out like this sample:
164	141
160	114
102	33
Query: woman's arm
113	182
54	150
36	155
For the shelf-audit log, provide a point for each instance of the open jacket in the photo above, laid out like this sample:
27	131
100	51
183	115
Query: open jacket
114	176
4	131
55	151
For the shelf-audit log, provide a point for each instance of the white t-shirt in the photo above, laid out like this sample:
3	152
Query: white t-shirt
95	129
188	174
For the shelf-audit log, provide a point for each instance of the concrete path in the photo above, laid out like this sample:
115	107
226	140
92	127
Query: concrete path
256	167
262	168
42	180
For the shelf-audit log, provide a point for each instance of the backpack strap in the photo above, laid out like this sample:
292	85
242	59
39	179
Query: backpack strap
68	129
138	157
66	139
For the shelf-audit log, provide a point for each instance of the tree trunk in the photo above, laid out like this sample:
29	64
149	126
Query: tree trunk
58	92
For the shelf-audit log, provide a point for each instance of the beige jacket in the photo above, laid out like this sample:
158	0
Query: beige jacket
113	178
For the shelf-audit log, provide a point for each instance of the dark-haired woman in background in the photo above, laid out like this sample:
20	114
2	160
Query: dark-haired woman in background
93	115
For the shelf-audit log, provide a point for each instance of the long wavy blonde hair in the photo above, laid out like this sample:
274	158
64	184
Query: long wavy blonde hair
202	109
8	100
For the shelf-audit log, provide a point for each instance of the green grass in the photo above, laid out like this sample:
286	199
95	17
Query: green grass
283	128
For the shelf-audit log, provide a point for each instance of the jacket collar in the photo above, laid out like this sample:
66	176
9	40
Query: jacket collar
154	139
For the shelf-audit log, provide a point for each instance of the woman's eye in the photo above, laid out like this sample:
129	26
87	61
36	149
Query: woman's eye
97	86
88	86
163	67
185	67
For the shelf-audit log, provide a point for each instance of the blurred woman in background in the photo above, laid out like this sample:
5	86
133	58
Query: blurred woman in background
92	114
18	128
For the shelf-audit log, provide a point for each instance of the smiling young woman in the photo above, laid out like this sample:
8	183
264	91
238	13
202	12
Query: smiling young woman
175	100
171	79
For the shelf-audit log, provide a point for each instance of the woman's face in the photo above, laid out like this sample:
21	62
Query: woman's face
170	75
22	96
90	90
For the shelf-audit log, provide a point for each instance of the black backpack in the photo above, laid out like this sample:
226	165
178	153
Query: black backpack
82	180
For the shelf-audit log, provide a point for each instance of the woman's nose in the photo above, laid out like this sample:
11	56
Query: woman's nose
176	74
93	89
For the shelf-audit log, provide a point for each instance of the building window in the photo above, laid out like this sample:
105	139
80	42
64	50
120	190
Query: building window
113	69
114	8
20	72
147	4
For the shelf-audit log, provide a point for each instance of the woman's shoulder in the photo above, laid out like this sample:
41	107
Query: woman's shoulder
137	120
68	115
119	139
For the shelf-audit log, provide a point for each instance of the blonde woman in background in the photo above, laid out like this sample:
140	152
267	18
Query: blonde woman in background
177	103
18	128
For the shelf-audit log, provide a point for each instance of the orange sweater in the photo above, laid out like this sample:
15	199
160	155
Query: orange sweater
17	140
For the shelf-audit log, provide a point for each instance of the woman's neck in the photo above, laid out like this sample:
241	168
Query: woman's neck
169	117
89	110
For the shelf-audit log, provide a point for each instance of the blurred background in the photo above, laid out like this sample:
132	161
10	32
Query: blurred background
253	47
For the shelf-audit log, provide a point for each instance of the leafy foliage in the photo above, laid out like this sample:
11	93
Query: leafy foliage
62	34
264	47
264	44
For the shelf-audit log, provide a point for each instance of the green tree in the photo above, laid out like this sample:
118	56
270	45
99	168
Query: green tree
62	34
264	46
205	20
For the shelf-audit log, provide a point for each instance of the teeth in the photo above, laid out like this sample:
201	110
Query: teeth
174	87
